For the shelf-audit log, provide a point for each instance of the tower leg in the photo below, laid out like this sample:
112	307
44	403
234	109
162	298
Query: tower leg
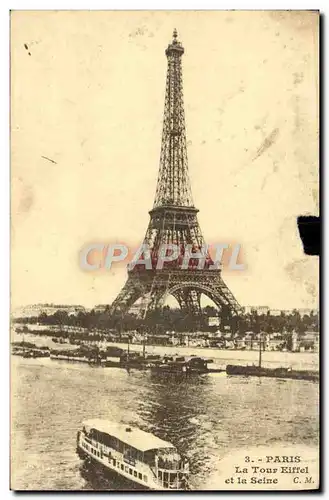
129	294
189	300
152	300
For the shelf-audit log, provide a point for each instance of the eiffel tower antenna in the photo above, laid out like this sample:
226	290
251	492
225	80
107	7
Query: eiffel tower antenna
173	220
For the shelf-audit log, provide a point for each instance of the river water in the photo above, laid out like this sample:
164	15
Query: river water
207	418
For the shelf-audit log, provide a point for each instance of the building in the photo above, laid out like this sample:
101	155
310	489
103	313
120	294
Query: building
278	312
258	309
213	321
100	308
34	310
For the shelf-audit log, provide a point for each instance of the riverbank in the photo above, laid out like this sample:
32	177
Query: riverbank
221	357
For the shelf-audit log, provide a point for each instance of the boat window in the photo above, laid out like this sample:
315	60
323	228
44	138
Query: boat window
169	461
173	477
135	473
130	471
133	452
122	467
104	438
140	476
126	469
107	440
149	457
114	462
145	479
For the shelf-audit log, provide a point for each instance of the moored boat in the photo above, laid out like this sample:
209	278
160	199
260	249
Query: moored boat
140	457
82	354
29	350
181	365
280	372
36	353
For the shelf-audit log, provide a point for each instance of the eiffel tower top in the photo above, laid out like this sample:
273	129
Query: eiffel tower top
175	45
173	187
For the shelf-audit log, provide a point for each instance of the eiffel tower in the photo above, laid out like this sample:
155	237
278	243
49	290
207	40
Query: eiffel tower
173	220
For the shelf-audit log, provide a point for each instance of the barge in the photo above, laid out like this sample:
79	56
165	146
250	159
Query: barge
281	372
29	350
82	354
181	365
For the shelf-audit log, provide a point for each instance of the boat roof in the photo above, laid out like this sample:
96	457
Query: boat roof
133	436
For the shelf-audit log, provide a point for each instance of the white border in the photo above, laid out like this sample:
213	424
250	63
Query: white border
4	173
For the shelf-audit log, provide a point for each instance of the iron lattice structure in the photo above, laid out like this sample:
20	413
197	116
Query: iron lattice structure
173	220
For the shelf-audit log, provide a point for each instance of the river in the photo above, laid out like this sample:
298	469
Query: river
208	418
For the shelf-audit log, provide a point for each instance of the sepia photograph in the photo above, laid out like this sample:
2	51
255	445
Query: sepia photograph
164	323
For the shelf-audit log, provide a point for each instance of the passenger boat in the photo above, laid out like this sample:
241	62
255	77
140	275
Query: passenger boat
140	457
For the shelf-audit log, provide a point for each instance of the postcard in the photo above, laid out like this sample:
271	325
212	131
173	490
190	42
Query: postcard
164	315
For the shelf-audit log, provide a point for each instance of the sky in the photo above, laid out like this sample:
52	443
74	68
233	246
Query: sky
87	98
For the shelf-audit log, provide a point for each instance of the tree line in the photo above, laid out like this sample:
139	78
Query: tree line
168	319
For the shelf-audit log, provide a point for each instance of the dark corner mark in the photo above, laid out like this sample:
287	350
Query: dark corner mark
310	234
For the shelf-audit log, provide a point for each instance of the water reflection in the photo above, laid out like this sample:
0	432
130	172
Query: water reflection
99	479
171	408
